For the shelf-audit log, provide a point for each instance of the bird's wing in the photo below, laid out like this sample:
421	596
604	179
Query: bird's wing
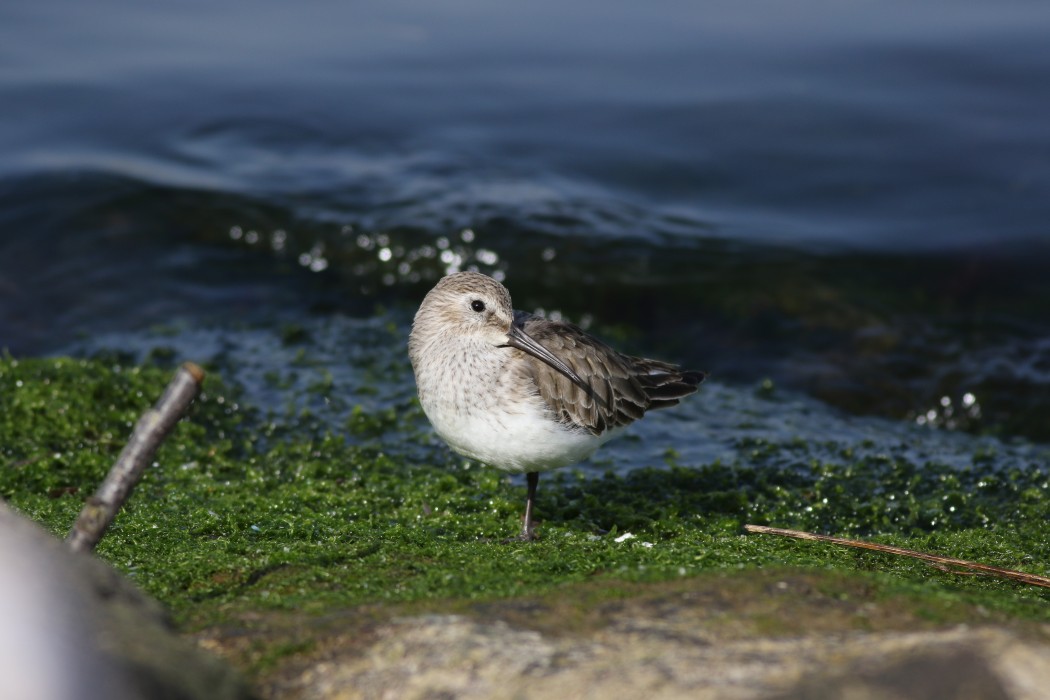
618	388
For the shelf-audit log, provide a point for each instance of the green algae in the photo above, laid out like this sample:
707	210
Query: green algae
242	513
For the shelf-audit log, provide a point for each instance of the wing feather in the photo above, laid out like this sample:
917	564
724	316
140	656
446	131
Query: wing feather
620	388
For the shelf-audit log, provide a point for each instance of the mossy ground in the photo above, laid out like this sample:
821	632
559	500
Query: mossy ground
239	515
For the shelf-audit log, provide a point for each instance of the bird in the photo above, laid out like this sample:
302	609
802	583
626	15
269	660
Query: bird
521	392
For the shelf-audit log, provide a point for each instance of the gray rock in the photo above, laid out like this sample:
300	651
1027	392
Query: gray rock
75	629
456	657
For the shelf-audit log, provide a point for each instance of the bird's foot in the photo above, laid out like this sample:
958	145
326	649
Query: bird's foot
528	534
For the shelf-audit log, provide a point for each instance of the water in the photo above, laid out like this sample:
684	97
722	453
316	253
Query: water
848	201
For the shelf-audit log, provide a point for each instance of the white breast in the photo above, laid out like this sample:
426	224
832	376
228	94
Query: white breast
480	414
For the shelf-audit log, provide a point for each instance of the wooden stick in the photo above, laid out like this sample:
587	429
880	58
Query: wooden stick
149	433
948	564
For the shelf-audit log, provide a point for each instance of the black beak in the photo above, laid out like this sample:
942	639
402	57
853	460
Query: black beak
517	338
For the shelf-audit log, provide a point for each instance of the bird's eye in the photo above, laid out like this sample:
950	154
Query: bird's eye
478	305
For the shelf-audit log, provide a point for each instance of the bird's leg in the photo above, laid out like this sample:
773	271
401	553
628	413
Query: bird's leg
527	532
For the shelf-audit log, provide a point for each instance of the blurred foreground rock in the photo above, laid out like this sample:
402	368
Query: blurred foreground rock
75	629
663	656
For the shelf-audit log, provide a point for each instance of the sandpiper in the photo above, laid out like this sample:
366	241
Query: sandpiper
523	393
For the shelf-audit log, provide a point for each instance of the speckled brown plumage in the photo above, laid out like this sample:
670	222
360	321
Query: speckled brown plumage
617	389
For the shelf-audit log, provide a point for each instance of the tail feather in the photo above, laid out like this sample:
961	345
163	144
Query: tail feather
664	384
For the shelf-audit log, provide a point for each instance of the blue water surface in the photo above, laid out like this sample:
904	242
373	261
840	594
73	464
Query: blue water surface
848	199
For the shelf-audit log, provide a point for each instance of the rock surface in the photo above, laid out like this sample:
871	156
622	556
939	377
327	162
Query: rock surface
673	645
75	629
455	657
